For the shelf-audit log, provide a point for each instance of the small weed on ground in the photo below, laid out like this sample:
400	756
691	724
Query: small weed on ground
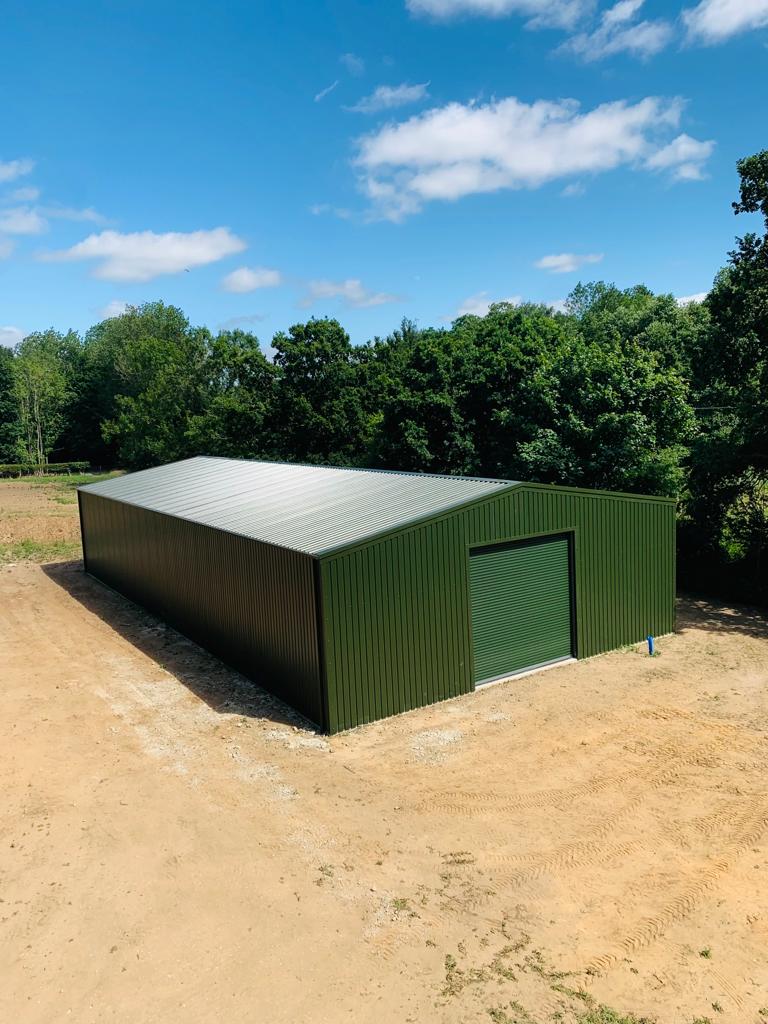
517	1014
457	979
605	1015
326	872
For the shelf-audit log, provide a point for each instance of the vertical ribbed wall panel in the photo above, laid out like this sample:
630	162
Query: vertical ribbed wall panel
396	619
251	604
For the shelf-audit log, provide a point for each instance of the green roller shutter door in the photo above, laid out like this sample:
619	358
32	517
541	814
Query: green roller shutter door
521	606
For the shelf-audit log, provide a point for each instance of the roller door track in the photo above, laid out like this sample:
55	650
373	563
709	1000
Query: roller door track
520	599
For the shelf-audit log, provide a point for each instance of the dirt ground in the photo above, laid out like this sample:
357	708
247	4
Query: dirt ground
176	846
36	512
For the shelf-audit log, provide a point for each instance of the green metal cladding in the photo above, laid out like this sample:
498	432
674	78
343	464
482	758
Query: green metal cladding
374	616
396	616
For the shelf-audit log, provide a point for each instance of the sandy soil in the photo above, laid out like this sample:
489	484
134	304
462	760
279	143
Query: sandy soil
38	513
176	846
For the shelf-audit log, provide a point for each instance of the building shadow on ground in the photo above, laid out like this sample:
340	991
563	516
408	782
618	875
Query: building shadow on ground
703	613
222	688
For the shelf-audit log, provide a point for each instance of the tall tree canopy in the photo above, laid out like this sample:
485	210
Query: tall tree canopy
10	427
43	382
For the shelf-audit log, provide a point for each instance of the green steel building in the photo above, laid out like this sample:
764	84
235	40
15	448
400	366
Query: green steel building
357	594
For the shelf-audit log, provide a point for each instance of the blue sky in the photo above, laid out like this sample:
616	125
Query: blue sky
260	163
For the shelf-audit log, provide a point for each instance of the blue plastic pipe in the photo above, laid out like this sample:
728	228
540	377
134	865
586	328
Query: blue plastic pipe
650	645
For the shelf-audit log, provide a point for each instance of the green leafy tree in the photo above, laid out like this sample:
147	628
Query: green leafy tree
154	379
43	389
320	414
10	427
422	426
613	416
522	394
240	393
724	537
110	367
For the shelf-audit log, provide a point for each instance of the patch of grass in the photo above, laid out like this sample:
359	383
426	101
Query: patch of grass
458	857
65	480
717	1007
498	1016
519	1014
573	993
534	961
597	1013
500	968
39	551
706	953
402	905
456	979
605	1015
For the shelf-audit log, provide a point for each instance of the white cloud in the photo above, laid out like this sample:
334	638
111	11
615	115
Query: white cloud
28	194
318	209
460	149
22	220
248	279
684	157
385	97
355	65
351	292
33	220
618	32
7	245
114	308
573	190
324	92
559	13
479	304
144	255
686	300
558	305
10	336
567	262
713	21
70	213
12	169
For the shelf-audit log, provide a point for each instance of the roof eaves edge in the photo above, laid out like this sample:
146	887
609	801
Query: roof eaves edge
600	493
208	526
391	531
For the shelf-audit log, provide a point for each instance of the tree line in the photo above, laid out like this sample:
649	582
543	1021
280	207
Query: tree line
623	389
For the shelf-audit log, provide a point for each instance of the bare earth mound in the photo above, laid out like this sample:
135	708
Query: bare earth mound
177	846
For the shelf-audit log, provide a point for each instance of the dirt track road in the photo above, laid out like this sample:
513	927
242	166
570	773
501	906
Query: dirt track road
176	847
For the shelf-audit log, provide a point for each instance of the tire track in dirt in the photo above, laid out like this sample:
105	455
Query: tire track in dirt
596	847
474	803
600	850
752	825
744	737
727	987
568	853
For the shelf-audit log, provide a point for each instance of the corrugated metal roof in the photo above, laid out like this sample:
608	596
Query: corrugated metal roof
313	509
